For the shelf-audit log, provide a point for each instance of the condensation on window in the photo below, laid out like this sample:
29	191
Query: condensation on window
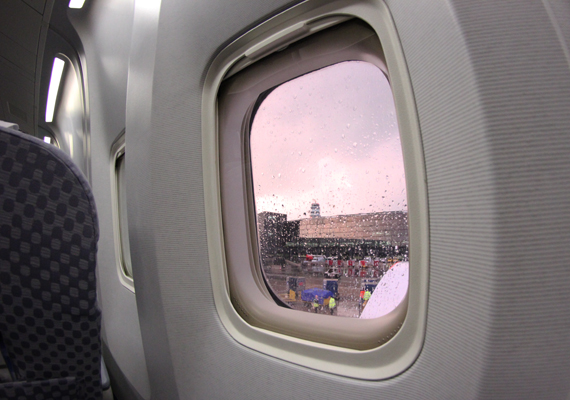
330	190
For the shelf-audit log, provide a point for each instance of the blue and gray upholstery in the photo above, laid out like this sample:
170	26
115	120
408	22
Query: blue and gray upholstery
49	318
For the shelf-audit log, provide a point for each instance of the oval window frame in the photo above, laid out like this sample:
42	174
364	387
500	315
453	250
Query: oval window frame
367	362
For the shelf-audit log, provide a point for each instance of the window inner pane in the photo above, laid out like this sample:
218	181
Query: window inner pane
329	187
123	221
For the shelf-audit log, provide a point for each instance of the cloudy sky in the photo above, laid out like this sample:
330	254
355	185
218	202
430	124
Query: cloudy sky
330	136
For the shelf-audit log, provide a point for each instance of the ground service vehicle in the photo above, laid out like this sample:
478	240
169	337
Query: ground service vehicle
165	107
333	272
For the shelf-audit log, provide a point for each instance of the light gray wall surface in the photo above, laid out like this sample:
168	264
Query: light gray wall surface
105	29
491	81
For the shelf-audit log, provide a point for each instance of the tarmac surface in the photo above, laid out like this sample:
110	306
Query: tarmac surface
348	303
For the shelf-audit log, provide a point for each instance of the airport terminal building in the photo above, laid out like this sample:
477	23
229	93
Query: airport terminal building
378	234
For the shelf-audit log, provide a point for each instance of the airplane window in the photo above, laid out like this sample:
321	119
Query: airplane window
57	72
310	158
120	221
125	249
47	136
76	3
65	117
329	188
308	202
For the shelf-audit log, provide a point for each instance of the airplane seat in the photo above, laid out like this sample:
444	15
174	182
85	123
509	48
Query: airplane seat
49	318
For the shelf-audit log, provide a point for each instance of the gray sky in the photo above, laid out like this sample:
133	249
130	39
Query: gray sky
329	136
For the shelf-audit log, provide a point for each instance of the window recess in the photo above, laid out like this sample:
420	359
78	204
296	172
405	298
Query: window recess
120	221
296	144
263	213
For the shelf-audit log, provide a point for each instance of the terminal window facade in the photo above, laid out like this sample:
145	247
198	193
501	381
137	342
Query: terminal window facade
329	188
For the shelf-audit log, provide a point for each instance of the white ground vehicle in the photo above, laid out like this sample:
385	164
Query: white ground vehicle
314	263
332	272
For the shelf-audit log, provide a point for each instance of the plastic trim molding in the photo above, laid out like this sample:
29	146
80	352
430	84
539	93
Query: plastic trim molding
401	351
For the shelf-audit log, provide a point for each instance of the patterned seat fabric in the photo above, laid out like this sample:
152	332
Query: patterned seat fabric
49	318
61	389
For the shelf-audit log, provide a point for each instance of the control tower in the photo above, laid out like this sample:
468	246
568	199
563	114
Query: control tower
315	210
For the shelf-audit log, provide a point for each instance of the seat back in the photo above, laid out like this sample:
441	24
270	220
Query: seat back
49	318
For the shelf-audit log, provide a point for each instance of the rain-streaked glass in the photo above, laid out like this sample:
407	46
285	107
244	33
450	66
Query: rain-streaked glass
329	187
